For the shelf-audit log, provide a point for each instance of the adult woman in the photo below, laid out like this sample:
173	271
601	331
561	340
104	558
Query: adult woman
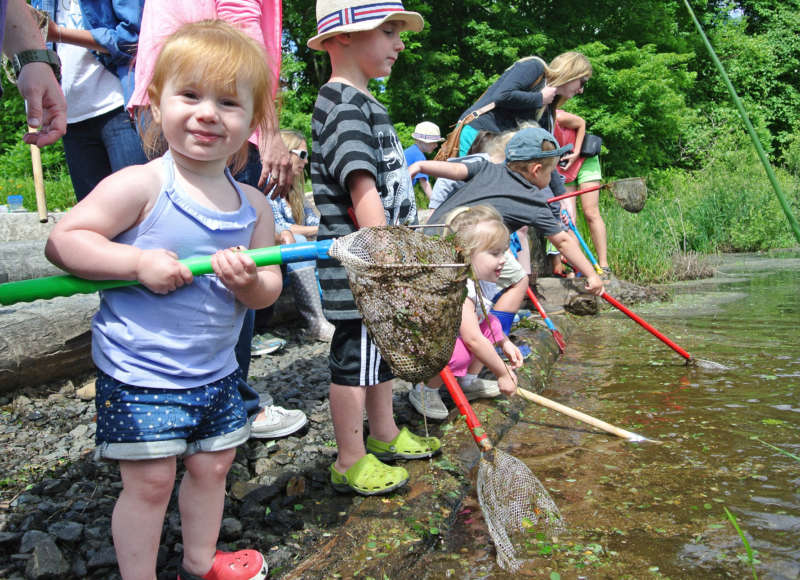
293	215
529	90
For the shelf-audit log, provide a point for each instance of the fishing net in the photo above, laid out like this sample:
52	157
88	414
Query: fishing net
514	504
409	289
631	193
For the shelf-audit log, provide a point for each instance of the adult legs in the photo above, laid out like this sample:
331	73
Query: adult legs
86	155
139	515
122	142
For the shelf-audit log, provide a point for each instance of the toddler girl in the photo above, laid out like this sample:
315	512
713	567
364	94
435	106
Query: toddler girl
483	237
167	375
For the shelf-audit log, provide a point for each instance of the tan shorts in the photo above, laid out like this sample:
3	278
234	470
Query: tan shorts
512	272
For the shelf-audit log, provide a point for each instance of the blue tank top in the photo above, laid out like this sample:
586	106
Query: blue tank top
186	338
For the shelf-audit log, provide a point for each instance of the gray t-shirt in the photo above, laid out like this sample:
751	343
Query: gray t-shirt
518	201
351	131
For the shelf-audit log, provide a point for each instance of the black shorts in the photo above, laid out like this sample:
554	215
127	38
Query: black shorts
354	358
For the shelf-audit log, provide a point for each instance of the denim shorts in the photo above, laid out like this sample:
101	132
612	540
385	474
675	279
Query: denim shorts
149	423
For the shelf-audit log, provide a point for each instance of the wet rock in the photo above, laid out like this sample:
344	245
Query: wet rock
102	558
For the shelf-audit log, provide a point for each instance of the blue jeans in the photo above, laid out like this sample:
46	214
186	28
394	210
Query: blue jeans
97	147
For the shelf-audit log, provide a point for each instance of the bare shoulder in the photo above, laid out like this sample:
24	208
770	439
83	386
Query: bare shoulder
256	198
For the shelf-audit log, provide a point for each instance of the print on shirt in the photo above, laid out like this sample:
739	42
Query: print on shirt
399	200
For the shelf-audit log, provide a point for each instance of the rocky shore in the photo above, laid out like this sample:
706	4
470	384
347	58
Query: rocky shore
56	501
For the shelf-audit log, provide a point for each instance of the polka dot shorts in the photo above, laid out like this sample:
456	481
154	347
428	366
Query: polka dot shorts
141	422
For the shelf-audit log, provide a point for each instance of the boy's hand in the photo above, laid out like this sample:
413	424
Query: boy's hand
513	353
594	284
413	169
160	271
235	270
507	383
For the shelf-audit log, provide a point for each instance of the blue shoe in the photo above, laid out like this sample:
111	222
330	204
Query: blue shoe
521	314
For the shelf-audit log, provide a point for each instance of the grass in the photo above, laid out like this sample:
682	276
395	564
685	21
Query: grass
58	191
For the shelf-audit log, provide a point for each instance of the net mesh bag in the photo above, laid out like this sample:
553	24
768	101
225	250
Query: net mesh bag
409	289
631	193
514	504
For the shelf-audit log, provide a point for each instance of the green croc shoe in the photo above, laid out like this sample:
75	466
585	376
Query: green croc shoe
405	446
368	476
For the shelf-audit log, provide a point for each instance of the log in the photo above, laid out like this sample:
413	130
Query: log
45	340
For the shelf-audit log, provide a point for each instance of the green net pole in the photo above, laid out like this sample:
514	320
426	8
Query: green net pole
759	149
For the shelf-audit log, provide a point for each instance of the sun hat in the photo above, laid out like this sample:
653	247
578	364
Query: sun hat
340	16
527	144
427	132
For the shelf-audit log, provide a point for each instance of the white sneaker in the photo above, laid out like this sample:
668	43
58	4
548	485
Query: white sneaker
480	389
277	422
428	402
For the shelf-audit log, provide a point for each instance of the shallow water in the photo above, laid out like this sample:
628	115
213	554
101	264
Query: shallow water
657	511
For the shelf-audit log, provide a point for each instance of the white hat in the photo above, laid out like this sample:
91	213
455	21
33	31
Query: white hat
339	16
427	132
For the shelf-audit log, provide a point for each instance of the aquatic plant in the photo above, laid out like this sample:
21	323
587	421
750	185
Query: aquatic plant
750	555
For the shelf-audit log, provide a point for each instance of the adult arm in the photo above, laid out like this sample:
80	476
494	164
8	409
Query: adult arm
513	90
44	101
61	34
276	162
120	41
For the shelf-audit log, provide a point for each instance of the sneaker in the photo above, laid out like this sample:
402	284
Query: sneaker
241	565
265	344
521	314
428	402
277	422
480	389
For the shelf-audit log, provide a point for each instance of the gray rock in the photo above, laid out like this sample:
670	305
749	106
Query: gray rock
102	558
66	531
30	539
47	561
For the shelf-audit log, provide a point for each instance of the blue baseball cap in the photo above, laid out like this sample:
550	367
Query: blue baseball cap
527	145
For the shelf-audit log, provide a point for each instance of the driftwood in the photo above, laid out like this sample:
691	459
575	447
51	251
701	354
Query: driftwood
45	340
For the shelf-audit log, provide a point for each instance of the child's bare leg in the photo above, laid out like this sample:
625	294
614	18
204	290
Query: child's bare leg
139	515
201	499
347	404
380	412
590	202
475	367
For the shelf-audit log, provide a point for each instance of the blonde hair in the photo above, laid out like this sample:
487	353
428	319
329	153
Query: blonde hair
212	53
565	68
464	222
293	139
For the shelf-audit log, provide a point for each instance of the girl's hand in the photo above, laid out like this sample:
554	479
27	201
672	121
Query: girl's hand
236	270
160	271
548	94
570	159
513	353
507	383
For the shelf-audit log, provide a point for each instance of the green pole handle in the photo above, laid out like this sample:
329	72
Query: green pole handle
66	285
748	125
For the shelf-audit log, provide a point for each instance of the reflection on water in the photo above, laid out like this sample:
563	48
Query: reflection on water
657	510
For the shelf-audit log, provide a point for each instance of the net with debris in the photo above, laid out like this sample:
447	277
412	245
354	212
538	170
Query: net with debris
514	504
631	193
409	289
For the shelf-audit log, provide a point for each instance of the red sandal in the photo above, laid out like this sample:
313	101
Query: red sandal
241	565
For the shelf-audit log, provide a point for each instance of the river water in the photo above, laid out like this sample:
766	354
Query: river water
658	510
